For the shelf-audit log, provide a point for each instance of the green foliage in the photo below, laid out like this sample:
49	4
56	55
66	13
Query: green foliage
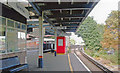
97	37
72	41
111	31
91	32
113	58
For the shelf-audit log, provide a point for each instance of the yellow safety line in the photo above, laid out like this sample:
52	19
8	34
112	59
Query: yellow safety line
48	52
60	53
70	64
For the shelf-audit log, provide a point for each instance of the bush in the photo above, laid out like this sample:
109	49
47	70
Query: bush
113	58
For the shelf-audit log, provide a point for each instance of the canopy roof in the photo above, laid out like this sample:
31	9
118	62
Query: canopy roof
67	14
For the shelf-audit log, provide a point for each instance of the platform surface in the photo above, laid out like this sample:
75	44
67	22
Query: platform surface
52	63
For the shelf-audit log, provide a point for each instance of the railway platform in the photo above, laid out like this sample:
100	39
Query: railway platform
28	25
52	63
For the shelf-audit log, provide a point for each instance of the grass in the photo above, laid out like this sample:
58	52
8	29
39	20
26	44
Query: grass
113	58
68	50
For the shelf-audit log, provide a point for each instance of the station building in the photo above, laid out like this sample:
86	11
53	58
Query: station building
13	28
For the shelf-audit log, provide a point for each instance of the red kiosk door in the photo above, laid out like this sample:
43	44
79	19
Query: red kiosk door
60	45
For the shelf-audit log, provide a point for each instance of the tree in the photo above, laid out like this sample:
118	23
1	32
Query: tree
91	33
111	31
72	41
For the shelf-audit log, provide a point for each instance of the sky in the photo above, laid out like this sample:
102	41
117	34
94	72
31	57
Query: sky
102	10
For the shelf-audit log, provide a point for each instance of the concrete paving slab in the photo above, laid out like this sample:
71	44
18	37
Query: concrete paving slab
51	63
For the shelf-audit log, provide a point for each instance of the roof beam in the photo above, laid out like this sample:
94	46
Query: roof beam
34	17
68	21
38	10
72	27
65	15
71	9
68	15
70	30
66	6
31	9
68	25
35	8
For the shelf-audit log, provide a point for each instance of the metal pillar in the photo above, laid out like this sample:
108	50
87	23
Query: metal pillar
55	42
41	37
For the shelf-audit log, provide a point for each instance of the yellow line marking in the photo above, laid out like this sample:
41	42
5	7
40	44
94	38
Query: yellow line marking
70	64
60	53
48	52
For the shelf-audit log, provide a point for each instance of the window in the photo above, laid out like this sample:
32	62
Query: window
21	40
11	40
2	21
14	39
24	27
2	39
17	25
60	42
10	23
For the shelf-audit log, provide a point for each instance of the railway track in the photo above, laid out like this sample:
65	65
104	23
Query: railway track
92	64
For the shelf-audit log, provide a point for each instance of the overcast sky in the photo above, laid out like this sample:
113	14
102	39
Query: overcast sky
102	9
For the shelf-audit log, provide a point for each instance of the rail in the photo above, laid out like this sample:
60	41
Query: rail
106	70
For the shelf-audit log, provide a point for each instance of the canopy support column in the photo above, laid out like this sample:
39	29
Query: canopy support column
41	33
55	53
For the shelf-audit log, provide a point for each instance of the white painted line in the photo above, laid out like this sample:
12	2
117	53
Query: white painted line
83	63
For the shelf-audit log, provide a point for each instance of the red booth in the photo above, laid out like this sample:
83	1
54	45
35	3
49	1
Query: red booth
61	44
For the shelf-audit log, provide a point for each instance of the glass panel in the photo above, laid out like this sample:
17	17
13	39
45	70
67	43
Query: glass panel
10	23
2	39
24	27
21	40
17	25
2	21
60	42
11	40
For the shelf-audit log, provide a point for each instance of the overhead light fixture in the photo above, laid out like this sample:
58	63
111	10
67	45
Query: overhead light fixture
58	1
61	18
60	25
70	11
41	4
82	12
88	1
52	19
72	2
69	18
60	11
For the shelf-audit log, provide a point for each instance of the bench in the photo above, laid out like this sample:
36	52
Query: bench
11	65
47	50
